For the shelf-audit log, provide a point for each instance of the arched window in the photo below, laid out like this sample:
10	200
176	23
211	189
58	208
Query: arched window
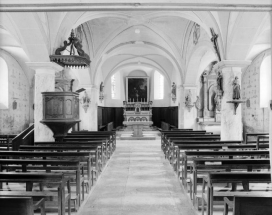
3	84
158	85
115	86
265	82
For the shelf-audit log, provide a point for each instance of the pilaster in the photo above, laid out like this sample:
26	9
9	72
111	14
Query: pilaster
44	82
231	124
190	113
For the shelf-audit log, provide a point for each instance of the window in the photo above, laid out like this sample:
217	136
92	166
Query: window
158	85
3	84
115	86
265	82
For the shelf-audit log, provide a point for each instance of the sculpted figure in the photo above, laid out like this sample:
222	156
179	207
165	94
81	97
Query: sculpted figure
101	87
174	87
236	88
219	81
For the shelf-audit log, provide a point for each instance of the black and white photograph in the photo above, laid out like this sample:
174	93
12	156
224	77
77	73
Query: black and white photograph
123	107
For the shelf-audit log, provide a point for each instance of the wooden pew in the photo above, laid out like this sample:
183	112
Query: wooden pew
166	138
107	141
206	165
20	205
6	141
183	147
249	204
102	150
26	165
85	157
170	140
253	135
92	148
213	178
57	179
185	156
97	133
259	137
164	133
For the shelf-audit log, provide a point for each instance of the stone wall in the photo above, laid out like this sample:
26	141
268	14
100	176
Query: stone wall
17	116
254	118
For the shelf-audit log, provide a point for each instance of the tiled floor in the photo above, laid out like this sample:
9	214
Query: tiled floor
138	180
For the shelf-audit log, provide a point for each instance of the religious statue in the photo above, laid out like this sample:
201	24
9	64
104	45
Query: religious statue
101	92
219	81
217	102
101	87
196	33
188	100
236	88
174	91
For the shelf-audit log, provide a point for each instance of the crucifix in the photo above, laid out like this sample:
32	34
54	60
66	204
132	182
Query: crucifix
215	44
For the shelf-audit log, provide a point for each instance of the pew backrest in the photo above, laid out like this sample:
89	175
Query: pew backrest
16	206
244	205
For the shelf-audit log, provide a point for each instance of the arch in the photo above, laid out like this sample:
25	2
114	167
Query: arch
124	65
202	55
118	48
204	18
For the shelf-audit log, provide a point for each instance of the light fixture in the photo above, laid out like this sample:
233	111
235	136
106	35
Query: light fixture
82	60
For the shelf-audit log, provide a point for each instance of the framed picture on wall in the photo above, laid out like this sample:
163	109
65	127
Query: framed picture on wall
137	89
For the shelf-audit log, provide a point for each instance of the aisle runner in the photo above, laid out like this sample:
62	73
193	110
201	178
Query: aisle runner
137	181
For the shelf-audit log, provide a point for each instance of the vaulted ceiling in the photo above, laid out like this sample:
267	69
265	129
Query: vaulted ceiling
151	35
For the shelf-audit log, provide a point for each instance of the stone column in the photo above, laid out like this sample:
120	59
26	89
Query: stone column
44	82
88	116
231	125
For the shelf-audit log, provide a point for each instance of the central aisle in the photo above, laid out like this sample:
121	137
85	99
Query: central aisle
138	180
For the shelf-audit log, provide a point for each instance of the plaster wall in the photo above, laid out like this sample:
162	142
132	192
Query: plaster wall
19	113
254	118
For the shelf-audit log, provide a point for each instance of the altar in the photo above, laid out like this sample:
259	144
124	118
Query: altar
137	117
137	107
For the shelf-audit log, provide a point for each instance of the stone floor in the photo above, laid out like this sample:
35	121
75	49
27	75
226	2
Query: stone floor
137	180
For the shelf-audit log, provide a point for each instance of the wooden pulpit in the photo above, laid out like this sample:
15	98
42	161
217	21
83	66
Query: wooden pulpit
60	112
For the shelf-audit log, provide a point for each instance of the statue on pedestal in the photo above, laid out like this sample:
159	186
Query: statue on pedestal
236	88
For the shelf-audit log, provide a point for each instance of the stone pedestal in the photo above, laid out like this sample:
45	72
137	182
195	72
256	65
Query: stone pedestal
44	82
231	124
